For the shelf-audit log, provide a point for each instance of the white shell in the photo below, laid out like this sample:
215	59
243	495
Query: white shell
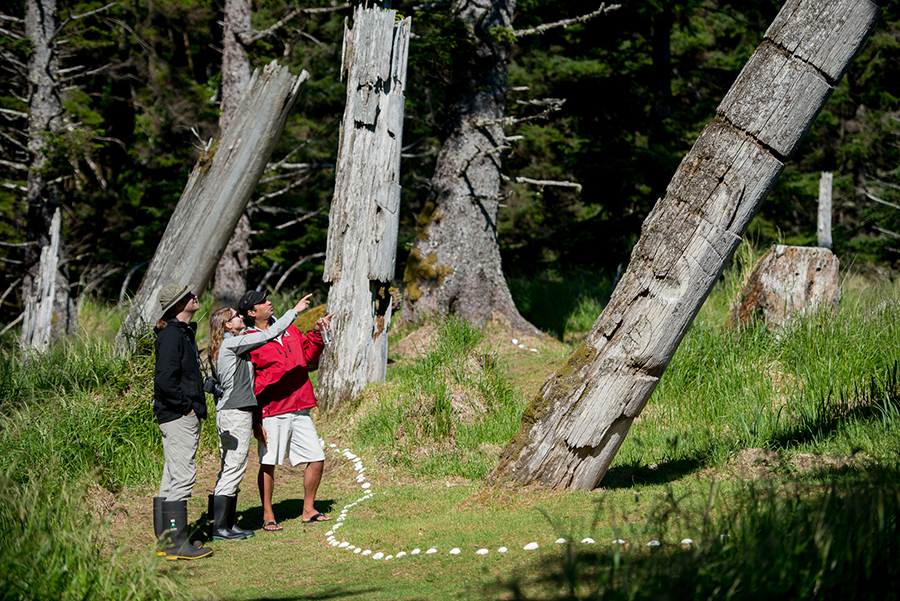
481	552
430	551
378	555
560	541
502	550
455	551
530	546
588	541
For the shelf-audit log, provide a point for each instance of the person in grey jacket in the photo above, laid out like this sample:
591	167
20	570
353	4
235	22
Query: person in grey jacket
179	404
229	357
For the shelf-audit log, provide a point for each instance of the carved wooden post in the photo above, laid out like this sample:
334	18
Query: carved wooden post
364	216
216	195
575	426
823	227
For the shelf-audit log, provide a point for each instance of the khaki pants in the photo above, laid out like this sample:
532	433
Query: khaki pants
180	439
235	428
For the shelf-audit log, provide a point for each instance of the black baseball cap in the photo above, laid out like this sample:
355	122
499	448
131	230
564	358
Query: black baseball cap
249	300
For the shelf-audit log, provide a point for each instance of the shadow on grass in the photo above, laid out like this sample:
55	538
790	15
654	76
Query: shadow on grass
287	509
626	476
839	539
879	401
332	594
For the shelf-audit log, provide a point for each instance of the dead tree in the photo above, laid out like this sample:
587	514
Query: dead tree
454	264
573	429
231	280
46	271
216	195
364	215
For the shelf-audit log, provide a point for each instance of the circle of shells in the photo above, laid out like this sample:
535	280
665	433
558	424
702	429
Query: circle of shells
366	486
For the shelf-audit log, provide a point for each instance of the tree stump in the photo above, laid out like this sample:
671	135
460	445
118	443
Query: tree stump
789	281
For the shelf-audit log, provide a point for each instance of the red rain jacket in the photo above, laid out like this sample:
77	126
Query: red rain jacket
282	371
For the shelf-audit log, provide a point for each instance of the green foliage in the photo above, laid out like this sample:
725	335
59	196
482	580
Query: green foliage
827	384
561	304
443	414
837	540
80	409
52	547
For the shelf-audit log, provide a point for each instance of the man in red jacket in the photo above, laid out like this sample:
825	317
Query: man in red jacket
285	396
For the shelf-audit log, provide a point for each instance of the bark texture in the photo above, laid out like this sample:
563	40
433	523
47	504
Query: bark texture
216	195
789	281
45	270
454	265
364	215
231	275
235	63
573	429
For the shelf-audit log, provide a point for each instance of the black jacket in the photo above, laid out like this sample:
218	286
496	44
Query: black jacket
177	381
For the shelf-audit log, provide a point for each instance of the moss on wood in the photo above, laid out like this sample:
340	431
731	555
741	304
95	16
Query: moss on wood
421	269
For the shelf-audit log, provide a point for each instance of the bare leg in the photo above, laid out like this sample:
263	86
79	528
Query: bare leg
266	482
312	476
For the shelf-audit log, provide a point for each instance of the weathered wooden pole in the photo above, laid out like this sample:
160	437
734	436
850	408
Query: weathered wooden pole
823	227
216	195
573	429
364	215
38	316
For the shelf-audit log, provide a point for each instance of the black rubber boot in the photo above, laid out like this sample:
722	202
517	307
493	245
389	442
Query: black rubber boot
232	519
174	518
158	529
220	530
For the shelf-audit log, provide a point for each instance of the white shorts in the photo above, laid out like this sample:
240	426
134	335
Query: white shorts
294	432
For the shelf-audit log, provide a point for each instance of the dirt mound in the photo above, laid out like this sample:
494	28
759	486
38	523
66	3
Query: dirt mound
755	464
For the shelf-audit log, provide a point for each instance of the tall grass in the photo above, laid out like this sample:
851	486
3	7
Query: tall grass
52	548
79	409
826	384
840	540
447	413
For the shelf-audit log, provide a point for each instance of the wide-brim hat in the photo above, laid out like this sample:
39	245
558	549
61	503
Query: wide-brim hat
171	294
250	299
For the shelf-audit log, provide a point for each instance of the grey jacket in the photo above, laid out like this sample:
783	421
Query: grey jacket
234	369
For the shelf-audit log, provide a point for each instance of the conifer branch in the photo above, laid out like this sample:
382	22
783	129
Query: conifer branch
249	37
521	33
542	182
81	16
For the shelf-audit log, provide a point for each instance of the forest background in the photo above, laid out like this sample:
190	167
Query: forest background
142	99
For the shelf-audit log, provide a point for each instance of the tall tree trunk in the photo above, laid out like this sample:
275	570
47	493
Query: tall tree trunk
573	429
365	212
216	195
454	265
231	274
44	195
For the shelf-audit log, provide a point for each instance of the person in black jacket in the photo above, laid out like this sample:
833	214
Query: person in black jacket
180	404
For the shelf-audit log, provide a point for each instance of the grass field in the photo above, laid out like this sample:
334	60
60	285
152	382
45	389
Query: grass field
774	452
